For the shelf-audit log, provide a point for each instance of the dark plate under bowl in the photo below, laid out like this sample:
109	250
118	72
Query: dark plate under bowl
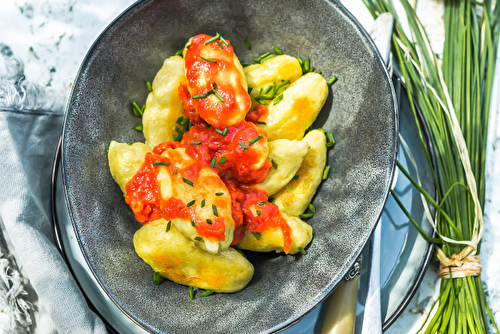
360	111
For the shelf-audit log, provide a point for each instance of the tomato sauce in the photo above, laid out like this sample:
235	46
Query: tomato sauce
264	215
236	156
210	69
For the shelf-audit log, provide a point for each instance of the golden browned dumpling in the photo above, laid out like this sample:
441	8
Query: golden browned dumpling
211	201
279	68
287	156
272	239
125	160
301	103
178	259
296	196
164	106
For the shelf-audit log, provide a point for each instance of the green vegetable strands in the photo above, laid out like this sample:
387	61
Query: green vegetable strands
454	98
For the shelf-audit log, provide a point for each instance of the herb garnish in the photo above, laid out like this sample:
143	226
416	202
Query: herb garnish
254	140
187	182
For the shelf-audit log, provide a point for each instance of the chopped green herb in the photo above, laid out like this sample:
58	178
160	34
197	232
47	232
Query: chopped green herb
307	63
278	99
193	223
263	123
278	51
224	41
326	172
257	60
248	45
150	88
206	293
209	221
222	160
196	142
191	294
210	60
198	239
216	37
138	127
319	71
302	251
218	42
214	209
300	61
219	131
168	226
219	194
283	83
202	202
243	146
268	89
129	144
331	140
262	102
306	215
261	203
218	96
267	58
254	140
281	90
161	163
259	94
212	163
246	65
137	110
271	199
257	235
226	130
187	182
156	277
184	121
312	208
296	177
258	212
199	96
264	55
179	52
275	165
179	120
190	203
331	81
187	47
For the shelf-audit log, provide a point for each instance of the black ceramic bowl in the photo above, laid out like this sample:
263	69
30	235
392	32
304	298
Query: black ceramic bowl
360	112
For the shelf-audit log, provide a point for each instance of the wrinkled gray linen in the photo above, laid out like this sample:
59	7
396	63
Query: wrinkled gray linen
27	146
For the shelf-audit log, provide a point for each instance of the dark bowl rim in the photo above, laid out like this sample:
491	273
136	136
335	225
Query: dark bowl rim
329	289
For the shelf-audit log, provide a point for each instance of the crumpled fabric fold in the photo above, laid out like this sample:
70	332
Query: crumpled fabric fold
30	127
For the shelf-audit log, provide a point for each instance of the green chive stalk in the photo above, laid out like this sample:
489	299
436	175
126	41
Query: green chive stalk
454	96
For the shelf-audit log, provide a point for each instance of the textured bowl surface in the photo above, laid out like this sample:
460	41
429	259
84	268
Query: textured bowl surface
360	111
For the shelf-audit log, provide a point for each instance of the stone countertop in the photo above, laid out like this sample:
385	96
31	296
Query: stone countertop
52	37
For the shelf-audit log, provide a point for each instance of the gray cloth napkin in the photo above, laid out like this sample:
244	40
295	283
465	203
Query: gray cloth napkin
29	131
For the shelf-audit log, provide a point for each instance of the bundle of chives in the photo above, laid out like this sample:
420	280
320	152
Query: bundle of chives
454	98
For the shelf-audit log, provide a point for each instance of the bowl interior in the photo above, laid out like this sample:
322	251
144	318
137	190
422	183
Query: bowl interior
360	111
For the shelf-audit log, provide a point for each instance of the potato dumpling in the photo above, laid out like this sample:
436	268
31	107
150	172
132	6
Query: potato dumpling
125	160
279	68
178	259
216	81
272	239
301	103
207	196
287	156
164	106
296	196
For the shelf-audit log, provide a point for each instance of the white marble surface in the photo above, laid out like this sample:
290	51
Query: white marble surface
52	38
